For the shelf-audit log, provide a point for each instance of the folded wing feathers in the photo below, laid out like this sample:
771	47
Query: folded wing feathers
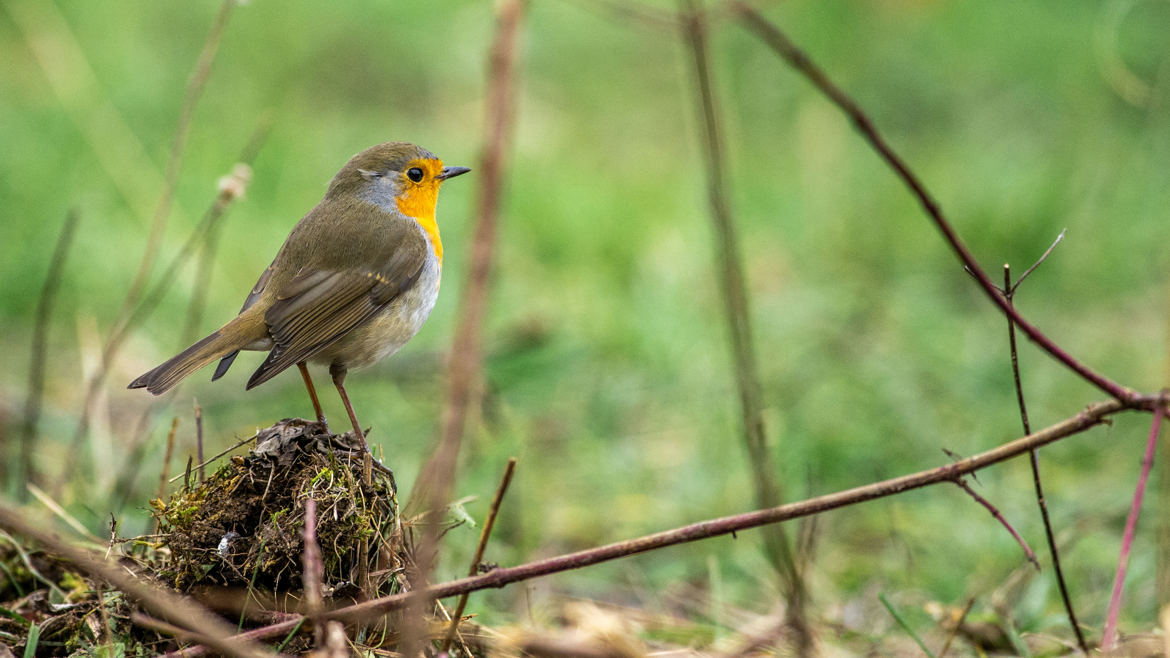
321	314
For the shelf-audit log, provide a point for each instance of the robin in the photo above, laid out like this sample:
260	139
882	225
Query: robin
354	281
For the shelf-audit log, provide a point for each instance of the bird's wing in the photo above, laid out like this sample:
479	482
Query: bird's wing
320	305
226	362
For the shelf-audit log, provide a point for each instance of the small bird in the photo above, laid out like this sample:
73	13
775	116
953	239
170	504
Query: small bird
354	281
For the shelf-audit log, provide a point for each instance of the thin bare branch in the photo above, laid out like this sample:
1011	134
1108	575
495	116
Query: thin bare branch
1039	261
1093	415
484	535
221	453
36	369
1034	457
1028	552
199	440
955	629
100	594
176	609
162	478
786	49
1109	636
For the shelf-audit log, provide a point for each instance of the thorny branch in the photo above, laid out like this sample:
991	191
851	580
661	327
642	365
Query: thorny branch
785	48
994	511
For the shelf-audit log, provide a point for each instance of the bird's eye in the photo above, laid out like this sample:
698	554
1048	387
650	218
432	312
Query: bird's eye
415	174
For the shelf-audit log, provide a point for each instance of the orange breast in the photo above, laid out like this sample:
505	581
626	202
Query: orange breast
418	202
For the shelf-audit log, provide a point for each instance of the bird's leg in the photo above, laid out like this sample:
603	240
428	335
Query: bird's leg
313	394
339	382
368	462
367	459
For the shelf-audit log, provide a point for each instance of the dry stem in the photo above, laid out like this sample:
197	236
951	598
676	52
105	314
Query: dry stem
36	370
436	480
729	264
162	478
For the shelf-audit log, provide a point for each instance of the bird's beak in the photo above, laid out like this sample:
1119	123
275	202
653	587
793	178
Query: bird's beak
452	172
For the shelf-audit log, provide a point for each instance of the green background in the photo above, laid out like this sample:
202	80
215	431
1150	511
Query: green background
608	373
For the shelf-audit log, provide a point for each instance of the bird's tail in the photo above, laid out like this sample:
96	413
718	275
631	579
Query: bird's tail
235	335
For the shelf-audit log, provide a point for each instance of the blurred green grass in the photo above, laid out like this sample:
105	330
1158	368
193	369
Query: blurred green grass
608	373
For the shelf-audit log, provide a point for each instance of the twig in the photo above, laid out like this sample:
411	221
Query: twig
159	626
221	453
36	369
172	607
1109	637
729	264
313	569
436	481
955	630
1009	291
1028	552
199	440
484	535
905	626
146	621
775	39
1093	415
1009	288
162	480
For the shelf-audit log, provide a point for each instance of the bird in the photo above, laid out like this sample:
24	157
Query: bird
354	281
